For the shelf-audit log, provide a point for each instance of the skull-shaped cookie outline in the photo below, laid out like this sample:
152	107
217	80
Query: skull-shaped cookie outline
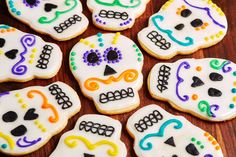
202	87
26	56
33	115
62	20
116	15
108	69
159	133
182	27
93	135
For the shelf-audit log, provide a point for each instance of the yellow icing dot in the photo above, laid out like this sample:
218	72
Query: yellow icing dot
44	130
92	45
234	99
21	100
31	61
32	56
36	122
234	83
217	147
24	106
17	94
1	52
34	50
206	38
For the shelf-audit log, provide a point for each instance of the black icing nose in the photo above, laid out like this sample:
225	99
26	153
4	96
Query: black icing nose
88	155
191	149
109	71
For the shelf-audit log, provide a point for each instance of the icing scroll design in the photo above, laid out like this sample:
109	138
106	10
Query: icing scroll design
26	41
169	32
186	65
204	106
26	142
45	20
208	13
45	105
72	141
130	75
118	3
4	93
148	146
9	140
217	65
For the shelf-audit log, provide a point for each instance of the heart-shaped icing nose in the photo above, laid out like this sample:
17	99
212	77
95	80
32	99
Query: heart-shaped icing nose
11	54
31	115
48	7
2	42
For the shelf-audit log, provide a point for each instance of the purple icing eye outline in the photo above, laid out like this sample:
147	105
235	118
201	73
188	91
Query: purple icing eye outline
114	49
86	59
31	5
27	143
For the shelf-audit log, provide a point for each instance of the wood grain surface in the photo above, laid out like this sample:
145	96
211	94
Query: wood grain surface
224	132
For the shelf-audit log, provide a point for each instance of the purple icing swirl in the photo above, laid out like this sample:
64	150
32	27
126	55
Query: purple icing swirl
208	13
226	69
214	107
4	93
186	65
27	143
26	41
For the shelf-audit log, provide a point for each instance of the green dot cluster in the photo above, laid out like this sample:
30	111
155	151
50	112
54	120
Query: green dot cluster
72	61
137	50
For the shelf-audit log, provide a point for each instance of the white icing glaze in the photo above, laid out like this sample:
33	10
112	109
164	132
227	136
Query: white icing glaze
55	13
116	15
210	35
226	86
90	133
20	102
180	129
132	60
40	62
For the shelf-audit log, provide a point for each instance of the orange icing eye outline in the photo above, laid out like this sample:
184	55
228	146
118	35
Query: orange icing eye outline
45	105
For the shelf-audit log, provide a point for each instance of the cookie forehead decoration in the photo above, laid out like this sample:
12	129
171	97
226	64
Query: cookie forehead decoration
108	69
202	87
182	27
31	116
159	133
93	135
62	20
26	56
116	15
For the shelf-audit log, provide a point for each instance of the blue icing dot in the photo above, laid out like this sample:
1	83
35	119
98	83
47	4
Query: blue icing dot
231	106
101	44
234	73
4	146
99	34
18	13
100	39
233	90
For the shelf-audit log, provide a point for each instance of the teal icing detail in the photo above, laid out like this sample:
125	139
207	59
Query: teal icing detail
118	3
169	32
160	133
13	9
231	106
4	27
100	39
4	146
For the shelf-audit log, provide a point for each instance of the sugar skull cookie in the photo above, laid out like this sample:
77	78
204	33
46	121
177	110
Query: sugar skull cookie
26	56
31	116
182	27
203	87
116	15
61	19
108	69
158	133
93	135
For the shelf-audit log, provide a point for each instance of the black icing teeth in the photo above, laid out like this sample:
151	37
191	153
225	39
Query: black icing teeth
113	15
116	95
158	40
45	57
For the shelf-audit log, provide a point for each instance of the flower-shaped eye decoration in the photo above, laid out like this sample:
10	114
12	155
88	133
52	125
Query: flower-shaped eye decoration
31	3
112	55
92	58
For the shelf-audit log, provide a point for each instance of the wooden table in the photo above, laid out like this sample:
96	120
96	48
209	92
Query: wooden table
224	132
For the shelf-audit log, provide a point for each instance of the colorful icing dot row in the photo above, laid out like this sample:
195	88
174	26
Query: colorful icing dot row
100	39
212	140
13	9
72	59
198	142
115	39
40	125
21	101
86	42
167	4
212	37
32	56
138	52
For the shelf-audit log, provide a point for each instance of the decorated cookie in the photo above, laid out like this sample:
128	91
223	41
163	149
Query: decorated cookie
26	56
182	27
108	69
203	87
116	15
31	116
62	19
158	133
93	135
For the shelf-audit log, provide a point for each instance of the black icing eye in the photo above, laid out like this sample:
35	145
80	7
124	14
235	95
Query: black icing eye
174	155
216	77
31	3
179	27
2	42
197	23
11	54
10	116
112	55
19	131
92	58
185	13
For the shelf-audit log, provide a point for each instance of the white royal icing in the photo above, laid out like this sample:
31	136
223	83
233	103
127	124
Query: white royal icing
93	135
25	56
158	133
31	116
203	87
62	20
116	15
108	69
182	27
